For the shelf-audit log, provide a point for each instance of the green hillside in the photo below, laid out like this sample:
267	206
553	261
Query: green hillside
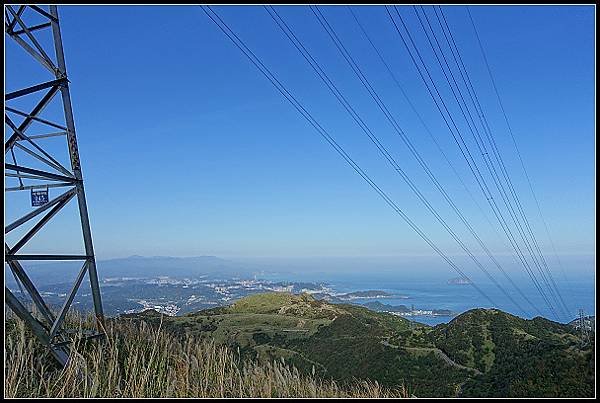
517	357
479	353
136	359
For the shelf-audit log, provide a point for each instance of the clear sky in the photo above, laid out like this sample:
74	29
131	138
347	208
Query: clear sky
188	150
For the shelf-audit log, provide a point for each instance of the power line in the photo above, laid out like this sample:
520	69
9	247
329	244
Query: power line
487	130
466	153
348	57
479	112
297	43
447	160
330	140
458	138
422	121
481	146
497	92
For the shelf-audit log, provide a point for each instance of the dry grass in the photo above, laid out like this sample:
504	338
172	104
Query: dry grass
136	360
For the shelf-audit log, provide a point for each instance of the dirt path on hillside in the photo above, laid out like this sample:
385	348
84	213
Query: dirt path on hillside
437	351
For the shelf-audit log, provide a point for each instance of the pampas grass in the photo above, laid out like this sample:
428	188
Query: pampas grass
138	360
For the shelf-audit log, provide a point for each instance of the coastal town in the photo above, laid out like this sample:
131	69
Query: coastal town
180	295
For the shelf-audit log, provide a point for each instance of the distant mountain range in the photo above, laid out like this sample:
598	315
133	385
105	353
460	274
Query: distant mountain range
134	266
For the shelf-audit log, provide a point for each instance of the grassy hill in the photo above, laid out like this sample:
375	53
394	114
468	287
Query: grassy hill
138	360
479	353
517	357
282	344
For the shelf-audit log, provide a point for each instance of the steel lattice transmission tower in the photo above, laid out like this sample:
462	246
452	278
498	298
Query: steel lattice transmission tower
32	164
584	331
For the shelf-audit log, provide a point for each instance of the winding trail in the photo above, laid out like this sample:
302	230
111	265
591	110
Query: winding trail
436	351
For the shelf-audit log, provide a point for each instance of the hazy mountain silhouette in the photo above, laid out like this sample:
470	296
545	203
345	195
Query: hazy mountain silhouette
134	266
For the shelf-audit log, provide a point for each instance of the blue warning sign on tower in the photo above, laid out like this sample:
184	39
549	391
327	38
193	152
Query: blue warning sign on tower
39	197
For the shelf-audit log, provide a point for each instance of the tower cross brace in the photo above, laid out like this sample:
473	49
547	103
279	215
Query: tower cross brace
22	24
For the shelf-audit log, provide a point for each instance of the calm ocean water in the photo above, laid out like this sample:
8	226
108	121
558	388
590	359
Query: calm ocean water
578	293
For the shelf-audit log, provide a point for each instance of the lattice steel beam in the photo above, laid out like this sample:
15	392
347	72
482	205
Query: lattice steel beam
48	328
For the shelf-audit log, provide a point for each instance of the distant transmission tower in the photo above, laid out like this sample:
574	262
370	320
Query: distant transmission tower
35	168
583	328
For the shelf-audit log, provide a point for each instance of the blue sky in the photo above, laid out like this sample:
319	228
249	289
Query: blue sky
188	150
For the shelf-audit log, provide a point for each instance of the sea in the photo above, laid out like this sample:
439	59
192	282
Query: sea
430	290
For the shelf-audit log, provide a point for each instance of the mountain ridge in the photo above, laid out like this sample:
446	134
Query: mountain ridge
482	352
